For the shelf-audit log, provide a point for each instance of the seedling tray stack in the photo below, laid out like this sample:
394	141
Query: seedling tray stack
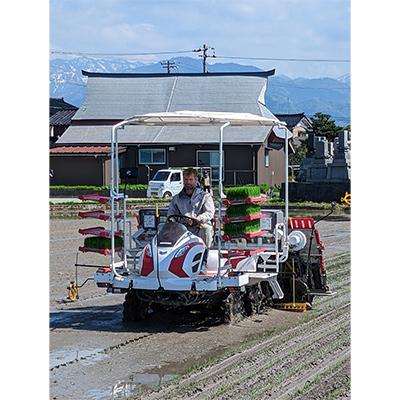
243	212
101	241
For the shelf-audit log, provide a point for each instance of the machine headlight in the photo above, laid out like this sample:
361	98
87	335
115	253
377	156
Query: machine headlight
181	251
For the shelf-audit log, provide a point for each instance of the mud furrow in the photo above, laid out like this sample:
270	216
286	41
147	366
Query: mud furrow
340	302
228	365
273	372
259	367
304	378
318	385
286	384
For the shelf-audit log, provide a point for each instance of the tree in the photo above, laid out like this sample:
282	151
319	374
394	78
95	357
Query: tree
299	155
324	126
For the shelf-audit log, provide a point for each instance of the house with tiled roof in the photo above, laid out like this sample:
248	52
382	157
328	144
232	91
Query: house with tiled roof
58	104
59	122
299	124
252	154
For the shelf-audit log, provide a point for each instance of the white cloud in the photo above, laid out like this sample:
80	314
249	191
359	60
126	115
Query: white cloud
257	28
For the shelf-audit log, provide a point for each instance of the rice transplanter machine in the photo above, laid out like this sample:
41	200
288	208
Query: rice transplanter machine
260	256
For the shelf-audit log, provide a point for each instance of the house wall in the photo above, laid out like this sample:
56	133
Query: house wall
57	132
243	165
274	174
240	161
76	170
299	131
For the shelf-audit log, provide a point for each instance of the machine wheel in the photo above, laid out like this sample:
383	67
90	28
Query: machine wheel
157	307
134	308
167	195
253	300
232	307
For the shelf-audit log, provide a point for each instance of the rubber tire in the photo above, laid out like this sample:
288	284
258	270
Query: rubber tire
167	195
232	308
134	309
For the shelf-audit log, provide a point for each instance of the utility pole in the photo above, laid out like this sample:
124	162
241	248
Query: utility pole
204	55
168	64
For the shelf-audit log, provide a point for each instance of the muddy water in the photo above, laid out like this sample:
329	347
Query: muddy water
93	355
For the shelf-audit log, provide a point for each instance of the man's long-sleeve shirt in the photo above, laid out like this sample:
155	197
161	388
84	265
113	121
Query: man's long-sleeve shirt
200	205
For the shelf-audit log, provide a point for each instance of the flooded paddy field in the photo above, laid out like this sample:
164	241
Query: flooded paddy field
277	354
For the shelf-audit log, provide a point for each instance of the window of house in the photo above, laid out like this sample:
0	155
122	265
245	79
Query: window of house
152	156
266	157
210	158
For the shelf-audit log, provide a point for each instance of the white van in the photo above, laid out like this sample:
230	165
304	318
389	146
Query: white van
165	183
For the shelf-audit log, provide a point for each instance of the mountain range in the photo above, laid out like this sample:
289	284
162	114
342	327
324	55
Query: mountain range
284	95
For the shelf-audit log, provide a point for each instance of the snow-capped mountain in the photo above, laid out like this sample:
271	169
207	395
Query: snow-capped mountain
345	79
285	95
66	79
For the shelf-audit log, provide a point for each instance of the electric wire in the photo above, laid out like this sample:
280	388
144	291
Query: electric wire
192	51
76	53
284	59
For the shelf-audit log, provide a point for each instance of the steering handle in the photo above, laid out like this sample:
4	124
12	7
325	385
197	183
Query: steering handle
195	222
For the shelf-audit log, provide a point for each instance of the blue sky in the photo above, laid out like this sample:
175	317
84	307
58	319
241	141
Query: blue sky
307	29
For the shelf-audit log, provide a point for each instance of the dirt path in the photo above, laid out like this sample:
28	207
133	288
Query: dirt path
276	355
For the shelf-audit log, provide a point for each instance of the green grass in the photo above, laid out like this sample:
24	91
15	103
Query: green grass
95	242
241	228
242	209
242	192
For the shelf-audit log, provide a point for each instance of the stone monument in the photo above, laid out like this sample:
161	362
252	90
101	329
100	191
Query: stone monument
323	177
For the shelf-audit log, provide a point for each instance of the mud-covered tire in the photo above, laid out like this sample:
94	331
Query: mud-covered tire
134	309
232	308
157	307
253	300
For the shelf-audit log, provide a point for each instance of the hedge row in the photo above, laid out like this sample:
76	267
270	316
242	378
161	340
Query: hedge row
88	187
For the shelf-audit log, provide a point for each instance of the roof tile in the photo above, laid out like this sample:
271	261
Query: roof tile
84	150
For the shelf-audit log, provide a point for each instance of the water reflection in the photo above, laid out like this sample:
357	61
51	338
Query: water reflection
133	385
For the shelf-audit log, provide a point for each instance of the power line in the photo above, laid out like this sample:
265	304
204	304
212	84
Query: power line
75	53
283	59
204	50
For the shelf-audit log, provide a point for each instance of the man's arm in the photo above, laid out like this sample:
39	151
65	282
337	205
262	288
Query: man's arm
208	210
173	209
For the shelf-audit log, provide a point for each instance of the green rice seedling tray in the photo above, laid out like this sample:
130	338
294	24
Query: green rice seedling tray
242	209
240	228
242	192
96	242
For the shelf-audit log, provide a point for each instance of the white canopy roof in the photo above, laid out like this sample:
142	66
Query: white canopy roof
202	118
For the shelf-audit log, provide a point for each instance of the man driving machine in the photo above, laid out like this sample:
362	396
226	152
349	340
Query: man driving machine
192	201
